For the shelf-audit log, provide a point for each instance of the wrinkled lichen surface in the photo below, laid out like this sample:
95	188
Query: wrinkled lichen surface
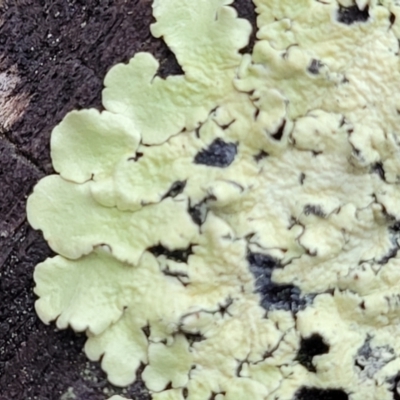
235	229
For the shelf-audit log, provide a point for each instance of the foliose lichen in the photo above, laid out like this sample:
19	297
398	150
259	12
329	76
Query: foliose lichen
211	225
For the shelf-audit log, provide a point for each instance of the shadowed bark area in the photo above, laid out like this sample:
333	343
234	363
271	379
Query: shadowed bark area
54	55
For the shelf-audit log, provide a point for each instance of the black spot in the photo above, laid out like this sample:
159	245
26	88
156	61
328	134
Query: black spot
377	168
273	295
146	330
279	133
176	188
391	254
314	67
218	154
198	212
262	261
223	308
395	386
214	395
302	178
392	18
137	157
395	228
178	255
193	337
310	347
307	393
350	15
185	393
262	154
314	210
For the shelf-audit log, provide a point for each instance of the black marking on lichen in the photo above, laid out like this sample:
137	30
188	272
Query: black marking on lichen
364	352
310	347
395	227
226	126
223	308
370	360
315	66
351	15
302	178
273	295
179	275
178	255
146	330
239	368
214	395
137	157
261	155
391	254
279	133
198	212
394	230
377	168
344	80
392	19
176	188
218	154
309	393
395	386
314	210
193	337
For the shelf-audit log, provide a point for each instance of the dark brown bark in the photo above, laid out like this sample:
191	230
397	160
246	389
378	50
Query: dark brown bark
54	55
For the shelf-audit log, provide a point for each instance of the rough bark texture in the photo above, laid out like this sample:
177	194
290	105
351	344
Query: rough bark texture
53	58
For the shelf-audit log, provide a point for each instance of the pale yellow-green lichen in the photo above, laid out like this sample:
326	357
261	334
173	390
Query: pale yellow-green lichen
117	397
308	177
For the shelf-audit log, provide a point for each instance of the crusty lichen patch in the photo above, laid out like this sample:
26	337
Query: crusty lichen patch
235	229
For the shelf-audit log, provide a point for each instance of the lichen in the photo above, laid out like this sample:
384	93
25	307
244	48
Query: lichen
236	228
